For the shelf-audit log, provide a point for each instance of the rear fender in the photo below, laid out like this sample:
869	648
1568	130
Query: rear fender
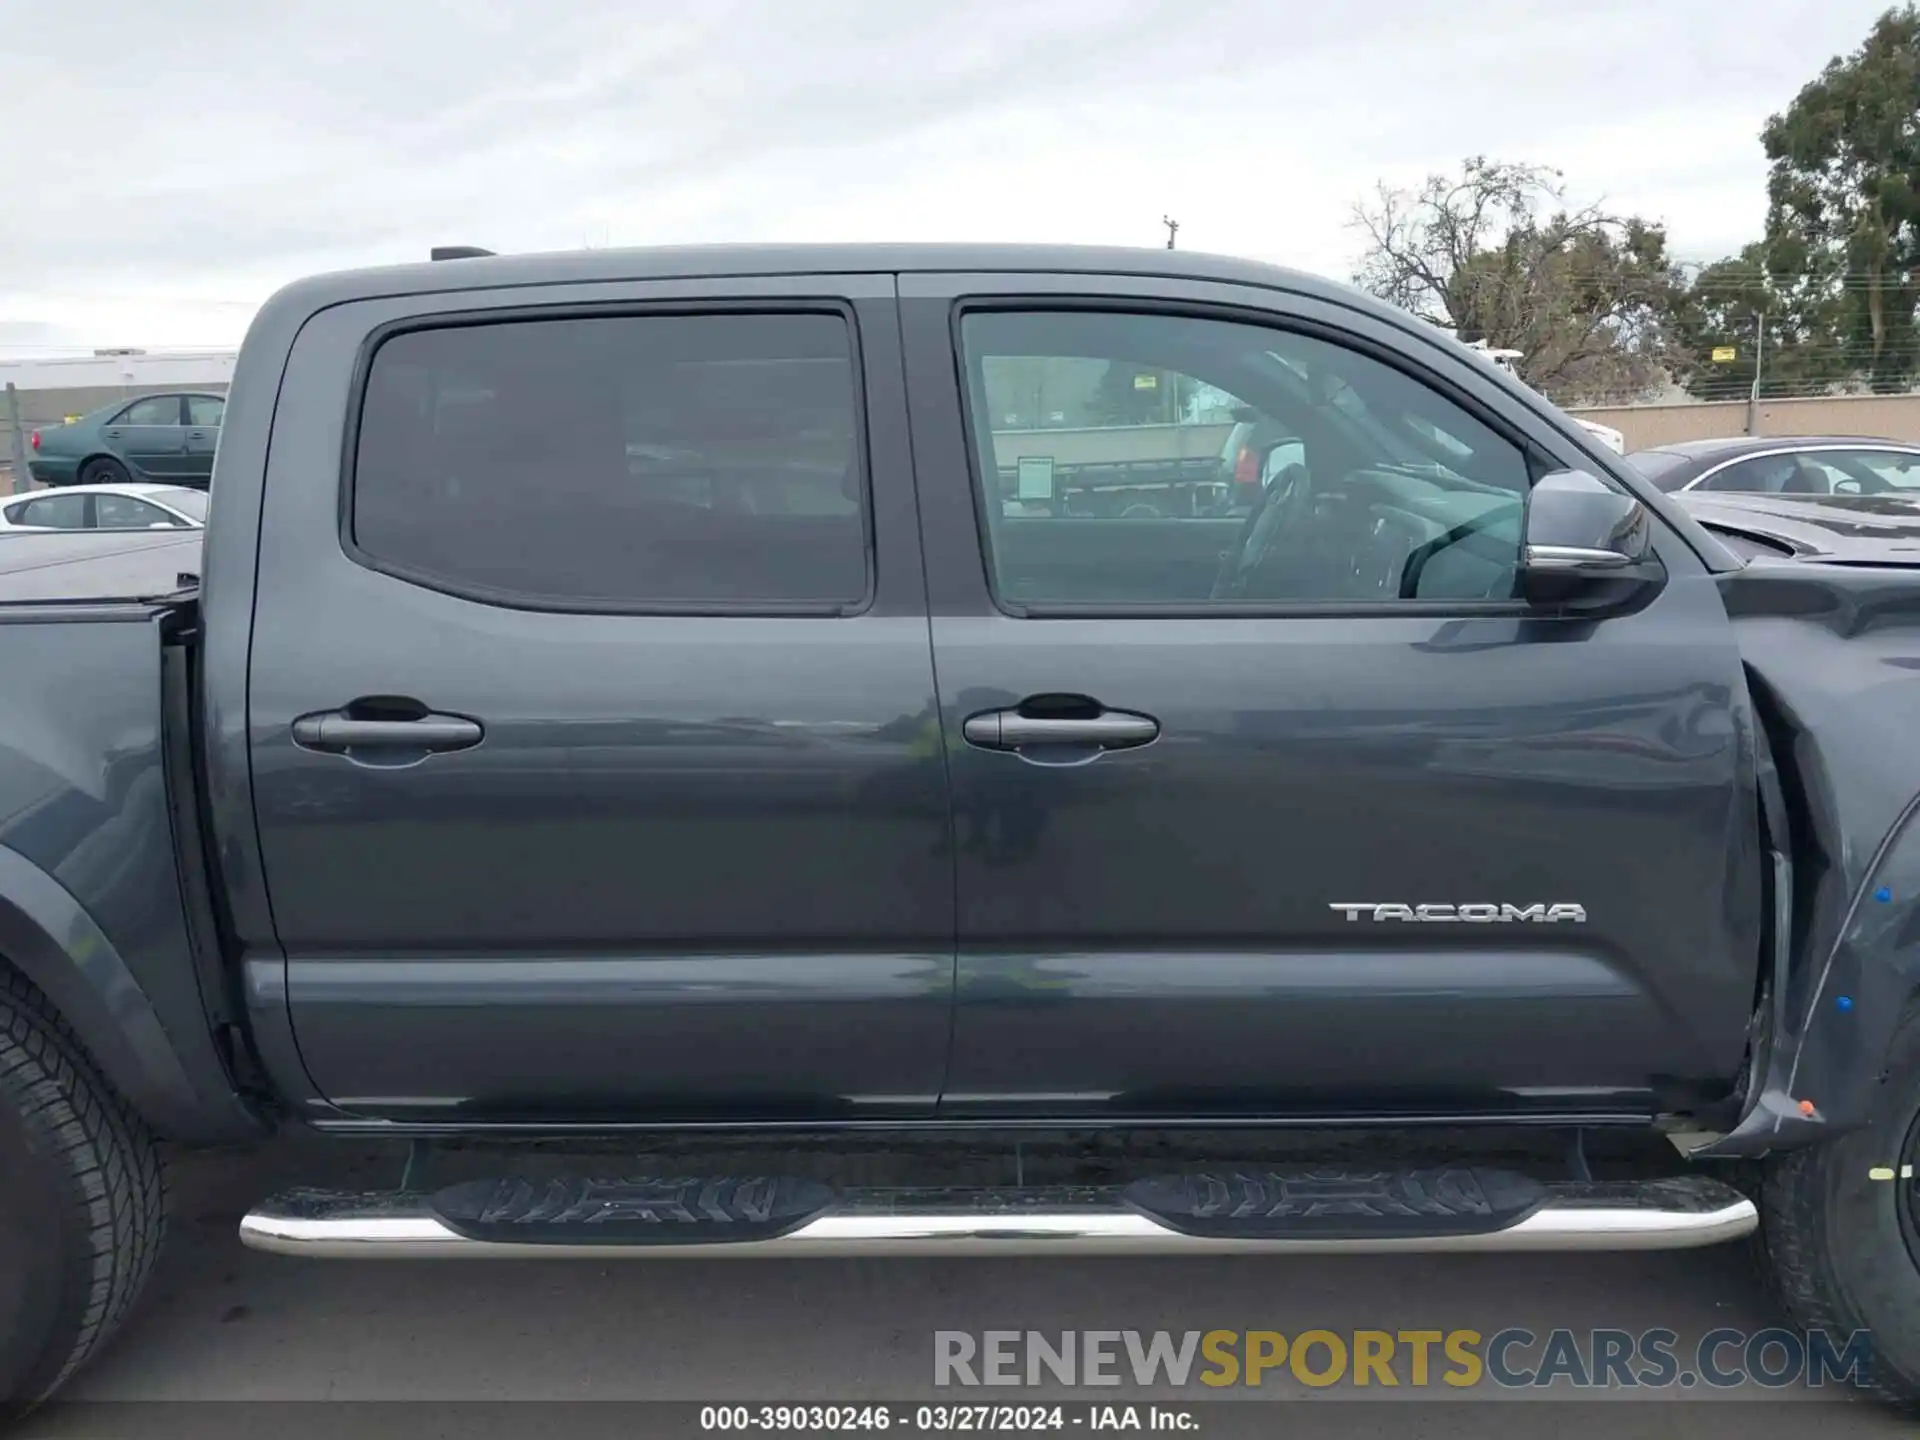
49	938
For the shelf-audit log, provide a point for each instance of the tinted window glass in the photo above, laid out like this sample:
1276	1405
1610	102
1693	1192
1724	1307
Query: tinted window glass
59	512
1787	474
123	512
1143	459
154	410
205	409
628	461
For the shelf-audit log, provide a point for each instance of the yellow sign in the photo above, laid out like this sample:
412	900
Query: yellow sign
1146	382
1724	354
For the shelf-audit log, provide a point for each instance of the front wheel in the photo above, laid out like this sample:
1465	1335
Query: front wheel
1840	1226
82	1201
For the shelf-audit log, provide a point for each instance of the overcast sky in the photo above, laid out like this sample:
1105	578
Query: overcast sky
169	165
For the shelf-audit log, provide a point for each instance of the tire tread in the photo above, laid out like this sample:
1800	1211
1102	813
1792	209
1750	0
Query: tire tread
117	1178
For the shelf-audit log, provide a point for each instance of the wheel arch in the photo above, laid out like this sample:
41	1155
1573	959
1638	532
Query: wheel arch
80	465
50	939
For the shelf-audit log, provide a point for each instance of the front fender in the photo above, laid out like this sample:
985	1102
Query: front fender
46	935
1833	658
1822	1072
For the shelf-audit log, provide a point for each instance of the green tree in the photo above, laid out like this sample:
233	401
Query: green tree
1129	394
1768	307
1845	188
1495	253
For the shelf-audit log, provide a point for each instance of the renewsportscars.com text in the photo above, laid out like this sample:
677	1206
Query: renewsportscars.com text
1461	1359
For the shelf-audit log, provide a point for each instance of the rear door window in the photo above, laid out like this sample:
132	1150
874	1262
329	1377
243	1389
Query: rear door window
53	512
635	462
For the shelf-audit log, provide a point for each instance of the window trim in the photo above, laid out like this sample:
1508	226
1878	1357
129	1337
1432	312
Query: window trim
612	310
179	410
1535	459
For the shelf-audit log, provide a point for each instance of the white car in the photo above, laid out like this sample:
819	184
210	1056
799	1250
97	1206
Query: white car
1509	361
106	507
1606	434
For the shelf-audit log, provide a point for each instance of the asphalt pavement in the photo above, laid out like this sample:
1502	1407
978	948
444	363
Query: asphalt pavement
229	1341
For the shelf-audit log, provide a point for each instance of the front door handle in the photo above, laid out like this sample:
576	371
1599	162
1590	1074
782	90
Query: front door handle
1011	730
337	732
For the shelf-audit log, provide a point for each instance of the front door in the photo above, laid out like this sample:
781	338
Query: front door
596	764
1280	801
149	436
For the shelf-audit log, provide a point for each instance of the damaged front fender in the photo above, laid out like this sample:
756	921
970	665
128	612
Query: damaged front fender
1833	657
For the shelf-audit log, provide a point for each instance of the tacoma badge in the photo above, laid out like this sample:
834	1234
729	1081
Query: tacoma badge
1484	914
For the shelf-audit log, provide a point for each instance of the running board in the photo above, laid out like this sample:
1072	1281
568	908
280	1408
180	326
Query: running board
1226	1212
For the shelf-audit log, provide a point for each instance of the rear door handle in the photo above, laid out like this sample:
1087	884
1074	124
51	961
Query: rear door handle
1011	730
336	732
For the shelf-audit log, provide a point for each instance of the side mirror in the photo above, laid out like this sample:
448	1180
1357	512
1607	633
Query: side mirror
1586	543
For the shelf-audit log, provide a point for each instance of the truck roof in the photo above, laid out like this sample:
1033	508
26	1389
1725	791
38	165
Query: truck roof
720	261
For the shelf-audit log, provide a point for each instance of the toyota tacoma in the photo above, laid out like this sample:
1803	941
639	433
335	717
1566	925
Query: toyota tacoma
619	699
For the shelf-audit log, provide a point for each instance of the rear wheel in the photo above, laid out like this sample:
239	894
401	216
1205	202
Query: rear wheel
82	1204
104	470
1841	1228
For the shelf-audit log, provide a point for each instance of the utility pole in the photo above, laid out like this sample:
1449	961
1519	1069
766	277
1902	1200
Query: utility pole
1759	358
1173	228
20	474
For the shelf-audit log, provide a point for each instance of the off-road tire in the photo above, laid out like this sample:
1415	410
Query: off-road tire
1834	1245
104	470
83	1201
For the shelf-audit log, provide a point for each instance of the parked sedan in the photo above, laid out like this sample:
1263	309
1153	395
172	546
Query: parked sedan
107	507
168	438
1784	465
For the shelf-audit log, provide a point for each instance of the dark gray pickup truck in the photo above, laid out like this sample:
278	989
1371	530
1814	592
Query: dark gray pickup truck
609	705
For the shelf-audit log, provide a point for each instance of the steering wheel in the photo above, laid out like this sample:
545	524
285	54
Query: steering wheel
1267	519
1471	536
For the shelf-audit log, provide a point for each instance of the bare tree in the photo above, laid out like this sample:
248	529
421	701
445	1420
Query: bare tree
1495	254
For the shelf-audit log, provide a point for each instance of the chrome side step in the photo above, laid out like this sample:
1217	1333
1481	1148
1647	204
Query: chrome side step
1217	1212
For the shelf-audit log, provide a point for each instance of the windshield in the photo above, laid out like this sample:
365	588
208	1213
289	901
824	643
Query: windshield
190	503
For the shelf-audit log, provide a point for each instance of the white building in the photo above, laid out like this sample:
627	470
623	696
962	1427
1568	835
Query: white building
121	369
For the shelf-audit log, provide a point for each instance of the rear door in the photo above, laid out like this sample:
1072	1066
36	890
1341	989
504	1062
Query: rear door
204	414
1301	811
596	763
149	434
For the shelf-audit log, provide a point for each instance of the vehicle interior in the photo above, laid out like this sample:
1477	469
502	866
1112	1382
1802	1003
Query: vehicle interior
1398	494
